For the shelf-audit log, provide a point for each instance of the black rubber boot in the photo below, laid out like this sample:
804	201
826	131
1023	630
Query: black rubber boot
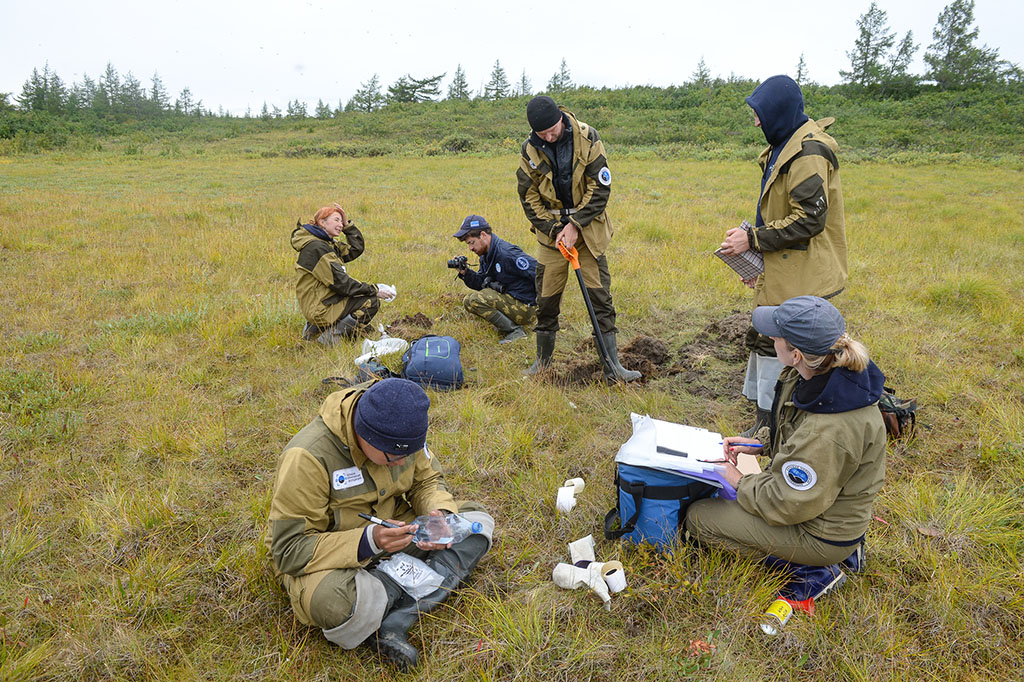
545	348
454	565
310	331
616	372
343	328
510	330
763	419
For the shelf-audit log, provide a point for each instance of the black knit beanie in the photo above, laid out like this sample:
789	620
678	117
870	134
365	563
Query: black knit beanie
392	416
542	113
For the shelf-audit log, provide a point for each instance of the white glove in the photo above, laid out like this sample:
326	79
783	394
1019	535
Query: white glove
582	549
571	577
386	292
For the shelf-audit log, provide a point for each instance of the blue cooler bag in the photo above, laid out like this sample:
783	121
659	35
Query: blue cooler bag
434	361
652	505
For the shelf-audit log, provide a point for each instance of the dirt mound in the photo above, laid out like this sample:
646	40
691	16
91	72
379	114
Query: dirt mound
722	339
644	354
409	327
417	320
708	366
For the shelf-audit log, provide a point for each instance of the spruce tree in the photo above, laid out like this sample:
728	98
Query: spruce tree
368	97
459	88
525	88
561	81
954	60
497	87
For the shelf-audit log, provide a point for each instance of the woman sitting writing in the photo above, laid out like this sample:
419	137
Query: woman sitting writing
808	512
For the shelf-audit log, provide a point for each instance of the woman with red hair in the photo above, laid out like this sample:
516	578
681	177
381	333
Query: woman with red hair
335	305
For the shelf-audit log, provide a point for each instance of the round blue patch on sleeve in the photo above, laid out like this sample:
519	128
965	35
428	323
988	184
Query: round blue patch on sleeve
522	263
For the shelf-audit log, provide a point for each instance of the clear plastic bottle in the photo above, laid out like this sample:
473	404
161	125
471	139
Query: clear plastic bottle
444	529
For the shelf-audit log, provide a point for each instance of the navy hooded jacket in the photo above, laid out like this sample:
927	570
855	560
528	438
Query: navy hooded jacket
507	265
840	390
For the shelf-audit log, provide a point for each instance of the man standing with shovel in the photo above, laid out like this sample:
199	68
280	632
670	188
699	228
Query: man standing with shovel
564	185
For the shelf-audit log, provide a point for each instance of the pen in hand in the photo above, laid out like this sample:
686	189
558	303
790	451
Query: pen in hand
379	522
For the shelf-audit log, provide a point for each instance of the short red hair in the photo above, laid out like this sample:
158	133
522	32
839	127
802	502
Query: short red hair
325	213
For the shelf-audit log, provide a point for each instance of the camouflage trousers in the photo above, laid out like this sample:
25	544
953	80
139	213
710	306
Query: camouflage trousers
361	308
486	301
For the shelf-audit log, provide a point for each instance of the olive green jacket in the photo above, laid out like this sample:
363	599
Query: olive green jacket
804	235
845	455
323	287
324	480
591	187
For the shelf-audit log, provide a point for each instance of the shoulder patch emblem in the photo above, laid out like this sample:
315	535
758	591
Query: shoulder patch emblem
497	267
604	176
522	263
799	476
532	164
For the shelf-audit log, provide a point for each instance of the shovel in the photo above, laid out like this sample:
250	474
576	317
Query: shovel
573	257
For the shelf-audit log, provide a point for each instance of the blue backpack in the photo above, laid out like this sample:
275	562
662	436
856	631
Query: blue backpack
434	361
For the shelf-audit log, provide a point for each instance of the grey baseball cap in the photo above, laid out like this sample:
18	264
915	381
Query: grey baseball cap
809	323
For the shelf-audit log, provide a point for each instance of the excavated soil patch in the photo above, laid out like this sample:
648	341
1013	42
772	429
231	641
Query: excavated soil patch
708	366
409	326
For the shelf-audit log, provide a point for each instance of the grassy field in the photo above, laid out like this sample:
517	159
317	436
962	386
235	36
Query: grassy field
152	371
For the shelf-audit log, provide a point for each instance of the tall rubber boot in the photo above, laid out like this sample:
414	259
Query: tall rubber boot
454	564
617	372
343	328
509	329
763	419
545	348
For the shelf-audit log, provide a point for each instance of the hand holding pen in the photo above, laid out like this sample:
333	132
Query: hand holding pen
734	445
390	536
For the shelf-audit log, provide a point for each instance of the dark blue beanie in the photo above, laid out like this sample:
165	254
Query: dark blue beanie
391	416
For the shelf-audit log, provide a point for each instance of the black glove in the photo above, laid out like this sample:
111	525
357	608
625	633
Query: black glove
494	284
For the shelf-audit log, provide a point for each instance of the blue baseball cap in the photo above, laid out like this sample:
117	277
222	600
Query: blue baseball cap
472	222
809	323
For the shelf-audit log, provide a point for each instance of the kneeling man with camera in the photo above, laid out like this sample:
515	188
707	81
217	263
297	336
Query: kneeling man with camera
504	292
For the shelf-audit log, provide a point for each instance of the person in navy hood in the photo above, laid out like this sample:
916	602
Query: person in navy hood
779	106
799	227
504	290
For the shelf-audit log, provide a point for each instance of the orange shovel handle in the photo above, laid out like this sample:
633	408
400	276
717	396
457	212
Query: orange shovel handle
571	255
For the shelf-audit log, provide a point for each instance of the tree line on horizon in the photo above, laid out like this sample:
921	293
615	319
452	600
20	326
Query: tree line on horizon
879	67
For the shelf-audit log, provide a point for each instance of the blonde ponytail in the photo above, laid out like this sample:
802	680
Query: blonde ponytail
845	352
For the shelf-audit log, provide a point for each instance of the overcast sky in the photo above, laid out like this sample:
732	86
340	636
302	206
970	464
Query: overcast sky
238	54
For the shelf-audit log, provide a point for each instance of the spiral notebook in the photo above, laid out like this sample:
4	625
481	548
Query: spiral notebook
748	264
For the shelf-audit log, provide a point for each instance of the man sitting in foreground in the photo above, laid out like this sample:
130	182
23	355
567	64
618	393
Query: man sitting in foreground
366	453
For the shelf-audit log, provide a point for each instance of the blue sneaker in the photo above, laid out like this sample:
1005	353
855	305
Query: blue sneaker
813	582
856	562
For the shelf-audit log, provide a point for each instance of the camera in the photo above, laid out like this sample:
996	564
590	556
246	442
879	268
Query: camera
458	263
